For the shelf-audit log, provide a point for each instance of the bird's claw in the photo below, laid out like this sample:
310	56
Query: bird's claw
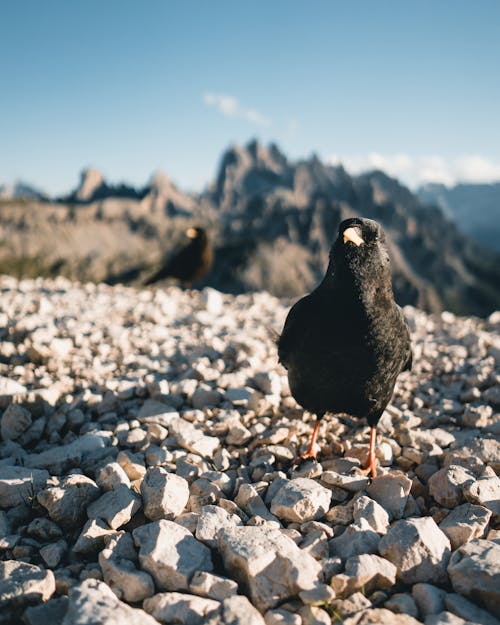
308	455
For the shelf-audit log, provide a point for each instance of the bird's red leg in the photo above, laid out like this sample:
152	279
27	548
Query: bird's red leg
310	453
372	463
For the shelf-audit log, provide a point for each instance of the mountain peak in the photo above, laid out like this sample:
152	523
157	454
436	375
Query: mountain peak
91	180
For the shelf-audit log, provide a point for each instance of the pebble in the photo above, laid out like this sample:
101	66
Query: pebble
171	554
14	422
301	499
67	502
177	607
391	492
474	570
418	548
116	507
92	602
465	523
22	583
164	494
268	563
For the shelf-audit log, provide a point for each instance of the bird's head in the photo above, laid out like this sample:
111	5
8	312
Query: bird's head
195	232
360	252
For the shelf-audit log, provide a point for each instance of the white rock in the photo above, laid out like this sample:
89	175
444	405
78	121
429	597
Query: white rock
282	617
121	575
180	608
446	485
391	492
485	492
132	465
116	507
469	611
67	502
268	563
92	602
358	538
377	616
428	598
418	548
112	475
22	583
211	521
238	610
402	603
474	571
15	421
368	509
92	536
371	572
212	586
20	485
58	459
164	494
191	438
301	499
171	554
465	523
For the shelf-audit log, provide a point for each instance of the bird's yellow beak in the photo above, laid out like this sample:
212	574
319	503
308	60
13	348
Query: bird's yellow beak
352	235
191	233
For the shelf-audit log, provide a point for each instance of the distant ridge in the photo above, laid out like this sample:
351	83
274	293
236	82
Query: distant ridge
474	207
272	222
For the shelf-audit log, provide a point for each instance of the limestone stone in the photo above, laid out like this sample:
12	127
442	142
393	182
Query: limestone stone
180	608
469	611
419	550
116	506
171	554
485	492
211	521
22	583
301	499
358	538
67	502
121	575
372	512
370	572
268	564
92	602
465	523
212	586
474	570
112	475
164	494
428	598
446	485
391	492
378	616
20	485
14	422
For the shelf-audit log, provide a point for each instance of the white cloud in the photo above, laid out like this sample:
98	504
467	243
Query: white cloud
231	107
416	170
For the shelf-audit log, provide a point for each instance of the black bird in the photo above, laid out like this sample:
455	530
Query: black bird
345	344
189	264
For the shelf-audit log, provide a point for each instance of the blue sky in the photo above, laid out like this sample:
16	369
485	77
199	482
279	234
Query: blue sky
131	87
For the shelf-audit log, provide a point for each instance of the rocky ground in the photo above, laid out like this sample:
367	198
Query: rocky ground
145	470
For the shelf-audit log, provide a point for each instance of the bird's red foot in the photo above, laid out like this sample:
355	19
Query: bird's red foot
371	467
308	455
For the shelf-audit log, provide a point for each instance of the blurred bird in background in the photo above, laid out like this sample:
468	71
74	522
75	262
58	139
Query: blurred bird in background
191	263
345	344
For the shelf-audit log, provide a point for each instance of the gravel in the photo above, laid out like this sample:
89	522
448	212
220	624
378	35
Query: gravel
145	469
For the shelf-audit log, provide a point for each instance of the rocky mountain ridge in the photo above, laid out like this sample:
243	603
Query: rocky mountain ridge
474	207
272	222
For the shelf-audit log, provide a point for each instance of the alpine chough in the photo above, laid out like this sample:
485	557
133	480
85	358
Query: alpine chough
190	263
345	344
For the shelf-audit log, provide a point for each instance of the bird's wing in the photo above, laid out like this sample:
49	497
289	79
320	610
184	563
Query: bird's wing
408	355
291	330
